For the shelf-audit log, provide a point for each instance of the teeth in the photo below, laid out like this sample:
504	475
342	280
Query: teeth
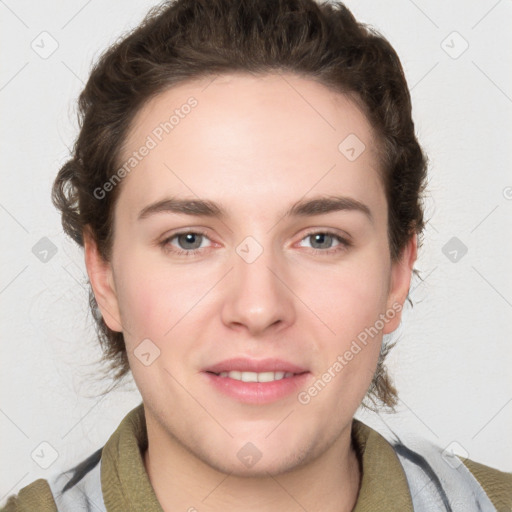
256	377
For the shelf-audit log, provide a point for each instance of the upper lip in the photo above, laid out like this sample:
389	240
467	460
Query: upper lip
255	365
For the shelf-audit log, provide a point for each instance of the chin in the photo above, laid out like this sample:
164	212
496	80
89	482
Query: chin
257	465
258	458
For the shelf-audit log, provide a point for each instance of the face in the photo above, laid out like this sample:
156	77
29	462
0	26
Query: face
281	262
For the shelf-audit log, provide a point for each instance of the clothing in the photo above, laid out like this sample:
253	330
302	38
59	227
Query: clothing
386	470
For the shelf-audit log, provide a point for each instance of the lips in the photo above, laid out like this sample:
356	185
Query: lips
256	382
241	364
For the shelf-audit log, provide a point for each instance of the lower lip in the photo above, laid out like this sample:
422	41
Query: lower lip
258	392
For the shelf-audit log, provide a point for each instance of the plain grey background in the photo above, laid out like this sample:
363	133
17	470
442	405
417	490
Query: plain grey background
452	363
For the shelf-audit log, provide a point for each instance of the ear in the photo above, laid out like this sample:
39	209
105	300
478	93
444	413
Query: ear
400	282
102	282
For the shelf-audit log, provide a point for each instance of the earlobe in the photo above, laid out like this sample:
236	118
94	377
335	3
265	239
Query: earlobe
102	282
400	282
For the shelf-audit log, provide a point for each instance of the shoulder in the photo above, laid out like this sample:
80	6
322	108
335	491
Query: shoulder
35	496
497	484
81	485
434	473
70	490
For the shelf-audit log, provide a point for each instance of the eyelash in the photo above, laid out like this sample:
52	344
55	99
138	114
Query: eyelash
344	243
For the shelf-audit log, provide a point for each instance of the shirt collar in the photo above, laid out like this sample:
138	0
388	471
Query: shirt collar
383	484
126	486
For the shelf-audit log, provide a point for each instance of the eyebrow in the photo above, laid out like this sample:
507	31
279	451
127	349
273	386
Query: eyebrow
302	208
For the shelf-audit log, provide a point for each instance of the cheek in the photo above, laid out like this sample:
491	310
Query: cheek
351	304
143	297
155	298
350	296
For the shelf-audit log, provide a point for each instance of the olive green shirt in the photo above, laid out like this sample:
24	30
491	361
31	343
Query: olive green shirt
126	486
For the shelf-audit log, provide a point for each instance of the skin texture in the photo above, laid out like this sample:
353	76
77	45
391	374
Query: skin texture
255	145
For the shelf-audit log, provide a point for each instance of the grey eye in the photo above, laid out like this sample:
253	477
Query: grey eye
324	240
194	239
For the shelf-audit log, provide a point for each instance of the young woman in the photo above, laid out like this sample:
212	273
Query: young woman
247	189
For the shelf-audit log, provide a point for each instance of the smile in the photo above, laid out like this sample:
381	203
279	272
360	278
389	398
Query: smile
256	376
257	388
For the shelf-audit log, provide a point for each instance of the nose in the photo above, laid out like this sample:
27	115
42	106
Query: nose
257	296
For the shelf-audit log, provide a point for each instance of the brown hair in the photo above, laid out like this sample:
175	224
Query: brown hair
189	39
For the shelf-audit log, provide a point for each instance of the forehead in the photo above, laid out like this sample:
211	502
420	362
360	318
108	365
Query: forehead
250	137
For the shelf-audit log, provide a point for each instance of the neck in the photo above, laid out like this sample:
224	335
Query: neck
329	483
